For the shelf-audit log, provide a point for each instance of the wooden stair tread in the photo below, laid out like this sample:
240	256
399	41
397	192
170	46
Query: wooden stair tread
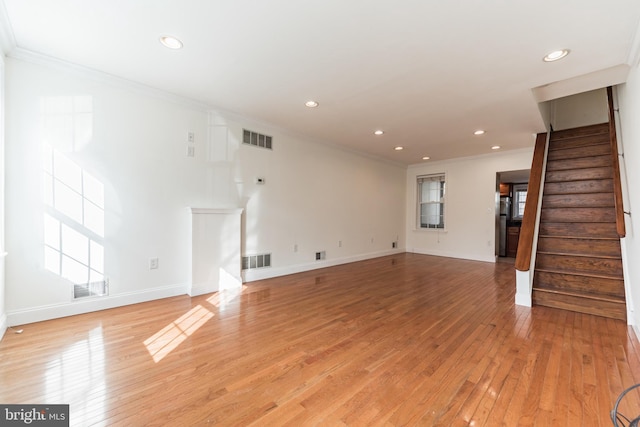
580	255
578	193
580	273
574	222
578	180
551	236
577	237
585	295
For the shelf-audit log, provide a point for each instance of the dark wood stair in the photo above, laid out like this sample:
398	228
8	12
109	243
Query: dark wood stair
579	262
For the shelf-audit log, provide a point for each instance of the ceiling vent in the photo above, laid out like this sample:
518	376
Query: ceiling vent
257	139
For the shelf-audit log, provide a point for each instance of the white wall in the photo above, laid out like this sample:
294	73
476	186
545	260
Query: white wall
470	210
315	198
134	142
582	109
629	136
3	311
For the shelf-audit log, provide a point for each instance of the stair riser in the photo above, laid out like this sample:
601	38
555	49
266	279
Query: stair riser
578	187
584	131
574	264
604	229
578	200
579	174
608	288
585	162
560	144
580	305
574	153
578	215
594	247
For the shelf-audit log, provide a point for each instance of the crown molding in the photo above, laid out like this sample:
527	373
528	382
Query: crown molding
7	39
105	78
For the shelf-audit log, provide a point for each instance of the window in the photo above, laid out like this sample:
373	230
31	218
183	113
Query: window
431	201
519	199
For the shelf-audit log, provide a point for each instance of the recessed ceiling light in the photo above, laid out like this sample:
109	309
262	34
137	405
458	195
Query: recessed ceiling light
311	104
378	132
555	55
479	132
398	148
496	147
171	42
426	158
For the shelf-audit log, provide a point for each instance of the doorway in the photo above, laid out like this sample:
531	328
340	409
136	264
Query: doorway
511	193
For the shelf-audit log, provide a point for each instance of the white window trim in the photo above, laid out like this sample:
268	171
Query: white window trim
416	222
514	204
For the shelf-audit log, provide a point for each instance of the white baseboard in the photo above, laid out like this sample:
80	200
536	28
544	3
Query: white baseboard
268	273
3	325
195	290
470	257
48	312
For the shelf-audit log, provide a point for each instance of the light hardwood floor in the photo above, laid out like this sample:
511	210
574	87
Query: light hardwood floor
395	341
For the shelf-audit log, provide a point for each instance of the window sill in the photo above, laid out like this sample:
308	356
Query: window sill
431	230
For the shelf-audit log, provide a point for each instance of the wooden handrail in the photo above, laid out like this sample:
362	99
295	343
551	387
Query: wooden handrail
617	186
527	230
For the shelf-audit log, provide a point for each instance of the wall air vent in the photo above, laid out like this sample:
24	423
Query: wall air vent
257	139
256	261
92	289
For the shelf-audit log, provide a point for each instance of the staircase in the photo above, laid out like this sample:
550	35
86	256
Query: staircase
578	264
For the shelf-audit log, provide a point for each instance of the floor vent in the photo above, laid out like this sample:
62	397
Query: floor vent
257	139
93	289
256	261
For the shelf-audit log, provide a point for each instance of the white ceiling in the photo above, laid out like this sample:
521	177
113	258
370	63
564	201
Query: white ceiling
427	72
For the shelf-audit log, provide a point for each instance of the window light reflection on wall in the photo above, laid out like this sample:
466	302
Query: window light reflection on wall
73	198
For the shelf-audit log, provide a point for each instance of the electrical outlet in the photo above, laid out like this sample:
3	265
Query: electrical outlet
295	247
153	263
191	137
191	151
339	243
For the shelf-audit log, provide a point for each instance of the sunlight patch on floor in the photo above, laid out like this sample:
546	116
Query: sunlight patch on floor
171	336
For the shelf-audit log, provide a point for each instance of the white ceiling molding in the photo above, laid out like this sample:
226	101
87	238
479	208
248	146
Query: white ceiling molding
7	39
99	76
584	83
